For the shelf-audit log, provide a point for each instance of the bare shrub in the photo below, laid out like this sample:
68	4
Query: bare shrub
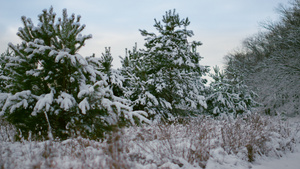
177	143
203	134
7	131
115	152
254	133
249	134
195	143
246	137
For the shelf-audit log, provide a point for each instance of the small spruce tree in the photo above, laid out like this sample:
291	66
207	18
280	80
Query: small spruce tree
229	96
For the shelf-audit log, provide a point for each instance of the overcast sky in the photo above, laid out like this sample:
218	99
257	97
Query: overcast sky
220	25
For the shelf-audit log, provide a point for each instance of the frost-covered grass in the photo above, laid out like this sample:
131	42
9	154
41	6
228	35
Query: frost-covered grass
200	142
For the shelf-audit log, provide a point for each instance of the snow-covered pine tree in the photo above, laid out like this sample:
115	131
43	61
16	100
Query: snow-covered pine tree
3	76
135	84
114	81
51	89
115	78
3	73
229	96
168	69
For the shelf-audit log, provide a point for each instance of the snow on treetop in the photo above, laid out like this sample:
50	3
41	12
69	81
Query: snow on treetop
76	24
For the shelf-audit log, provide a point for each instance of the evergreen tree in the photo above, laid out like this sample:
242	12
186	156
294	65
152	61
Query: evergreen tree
135	84
168	70
51	89
115	78
3	73
229	96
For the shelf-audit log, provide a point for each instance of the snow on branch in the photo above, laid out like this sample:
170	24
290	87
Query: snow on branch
14	101
44	103
66	101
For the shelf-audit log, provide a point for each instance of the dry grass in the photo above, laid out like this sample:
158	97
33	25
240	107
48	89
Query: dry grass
189	144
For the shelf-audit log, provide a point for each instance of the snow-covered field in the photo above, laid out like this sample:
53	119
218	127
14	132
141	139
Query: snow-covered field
288	161
267	142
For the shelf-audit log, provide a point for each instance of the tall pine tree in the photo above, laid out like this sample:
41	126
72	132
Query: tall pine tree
168	70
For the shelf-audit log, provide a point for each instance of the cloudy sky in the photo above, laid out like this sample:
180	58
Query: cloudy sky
220	25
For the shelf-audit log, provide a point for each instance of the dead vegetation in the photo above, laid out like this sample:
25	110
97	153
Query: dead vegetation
189	144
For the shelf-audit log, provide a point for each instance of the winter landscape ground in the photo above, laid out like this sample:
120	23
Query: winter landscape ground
258	142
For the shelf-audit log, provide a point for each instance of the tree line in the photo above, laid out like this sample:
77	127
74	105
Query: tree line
269	63
48	90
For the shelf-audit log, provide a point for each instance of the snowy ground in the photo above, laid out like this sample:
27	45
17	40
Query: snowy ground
288	161
202	143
